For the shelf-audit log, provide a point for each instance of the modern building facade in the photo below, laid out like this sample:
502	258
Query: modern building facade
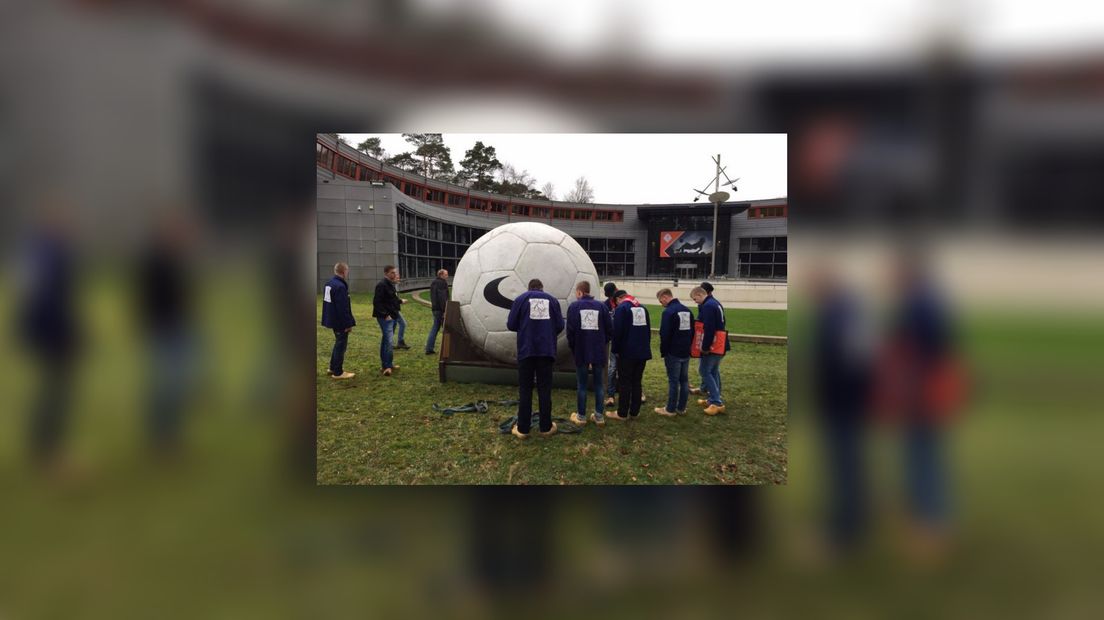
371	214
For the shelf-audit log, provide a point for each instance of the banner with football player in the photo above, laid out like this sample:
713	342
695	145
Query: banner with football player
675	243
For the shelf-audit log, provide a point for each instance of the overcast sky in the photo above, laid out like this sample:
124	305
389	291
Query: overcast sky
629	168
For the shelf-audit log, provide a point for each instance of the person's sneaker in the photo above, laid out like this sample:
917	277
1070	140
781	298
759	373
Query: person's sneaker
344	375
387	372
695	390
714	409
663	412
430	352
704	402
614	416
520	435
549	432
610	402
598	418
577	419
402	345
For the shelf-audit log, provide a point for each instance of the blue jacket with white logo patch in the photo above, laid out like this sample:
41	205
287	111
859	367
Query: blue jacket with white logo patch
711	314
588	339
675	333
632	331
337	311
537	319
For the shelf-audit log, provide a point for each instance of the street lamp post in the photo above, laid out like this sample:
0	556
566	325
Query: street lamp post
717	197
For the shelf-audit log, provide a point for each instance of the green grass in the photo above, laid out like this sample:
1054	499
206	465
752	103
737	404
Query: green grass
378	430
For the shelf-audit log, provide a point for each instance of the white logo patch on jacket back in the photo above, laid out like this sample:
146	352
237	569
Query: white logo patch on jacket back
589	319
640	316
538	309
326	295
684	321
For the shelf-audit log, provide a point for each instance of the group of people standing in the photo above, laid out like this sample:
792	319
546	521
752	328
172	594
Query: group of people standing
611	341
337	314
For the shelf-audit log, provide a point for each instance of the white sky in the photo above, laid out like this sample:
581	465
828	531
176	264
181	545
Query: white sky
629	168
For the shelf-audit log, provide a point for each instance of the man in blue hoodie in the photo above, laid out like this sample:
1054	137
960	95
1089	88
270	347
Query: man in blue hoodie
589	330
537	319
675	333
711	315
337	314
632	342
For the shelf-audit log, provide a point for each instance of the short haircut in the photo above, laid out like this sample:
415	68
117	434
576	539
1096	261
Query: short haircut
698	291
388	269
664	292
441	272
583	287
536	285
341	268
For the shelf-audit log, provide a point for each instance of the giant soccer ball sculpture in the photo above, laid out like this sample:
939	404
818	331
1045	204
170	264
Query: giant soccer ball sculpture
498	267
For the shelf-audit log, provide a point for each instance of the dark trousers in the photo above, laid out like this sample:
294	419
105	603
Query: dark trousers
337	358
540	370
630	375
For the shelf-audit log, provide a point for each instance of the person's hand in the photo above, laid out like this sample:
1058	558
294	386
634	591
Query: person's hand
387	318
348	329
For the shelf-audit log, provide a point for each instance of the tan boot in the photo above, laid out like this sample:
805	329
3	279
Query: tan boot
663	412
344	375
714	409
550	432
519	434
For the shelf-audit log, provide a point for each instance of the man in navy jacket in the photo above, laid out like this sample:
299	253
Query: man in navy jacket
675	333
337	314
632	342
589	330
385	308
538	320
711	315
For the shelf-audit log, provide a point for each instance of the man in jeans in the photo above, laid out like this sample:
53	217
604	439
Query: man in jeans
537	319
711	314
438	296
385	307
589	330
675	334
337	314
610	290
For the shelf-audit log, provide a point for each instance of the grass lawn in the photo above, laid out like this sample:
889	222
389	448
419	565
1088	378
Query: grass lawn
378	430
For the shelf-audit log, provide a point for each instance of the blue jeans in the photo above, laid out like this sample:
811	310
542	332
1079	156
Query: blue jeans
611	375
709	367
337	356
438	319
924	475
678	382
401	324
595	373
387	351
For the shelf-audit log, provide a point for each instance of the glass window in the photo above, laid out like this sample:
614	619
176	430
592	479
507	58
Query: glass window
598	257
630	245
583	242
421	226
617	245
477	233
760	271
779	257
598	244
762	257
462	235
780	244
423	247
745	244
745	258
434	248
628	270
762	244
423	267
434	229
780	271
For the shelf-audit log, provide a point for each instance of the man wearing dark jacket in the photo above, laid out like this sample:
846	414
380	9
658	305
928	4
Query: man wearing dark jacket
538	320
711	315
632	342
337	314
438	296
589	330
675	333
610	304
385	307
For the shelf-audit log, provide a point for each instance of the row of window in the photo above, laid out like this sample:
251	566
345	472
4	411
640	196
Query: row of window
327	158
765	212
426	245
762	257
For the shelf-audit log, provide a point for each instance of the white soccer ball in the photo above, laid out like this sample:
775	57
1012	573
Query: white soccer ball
498	267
